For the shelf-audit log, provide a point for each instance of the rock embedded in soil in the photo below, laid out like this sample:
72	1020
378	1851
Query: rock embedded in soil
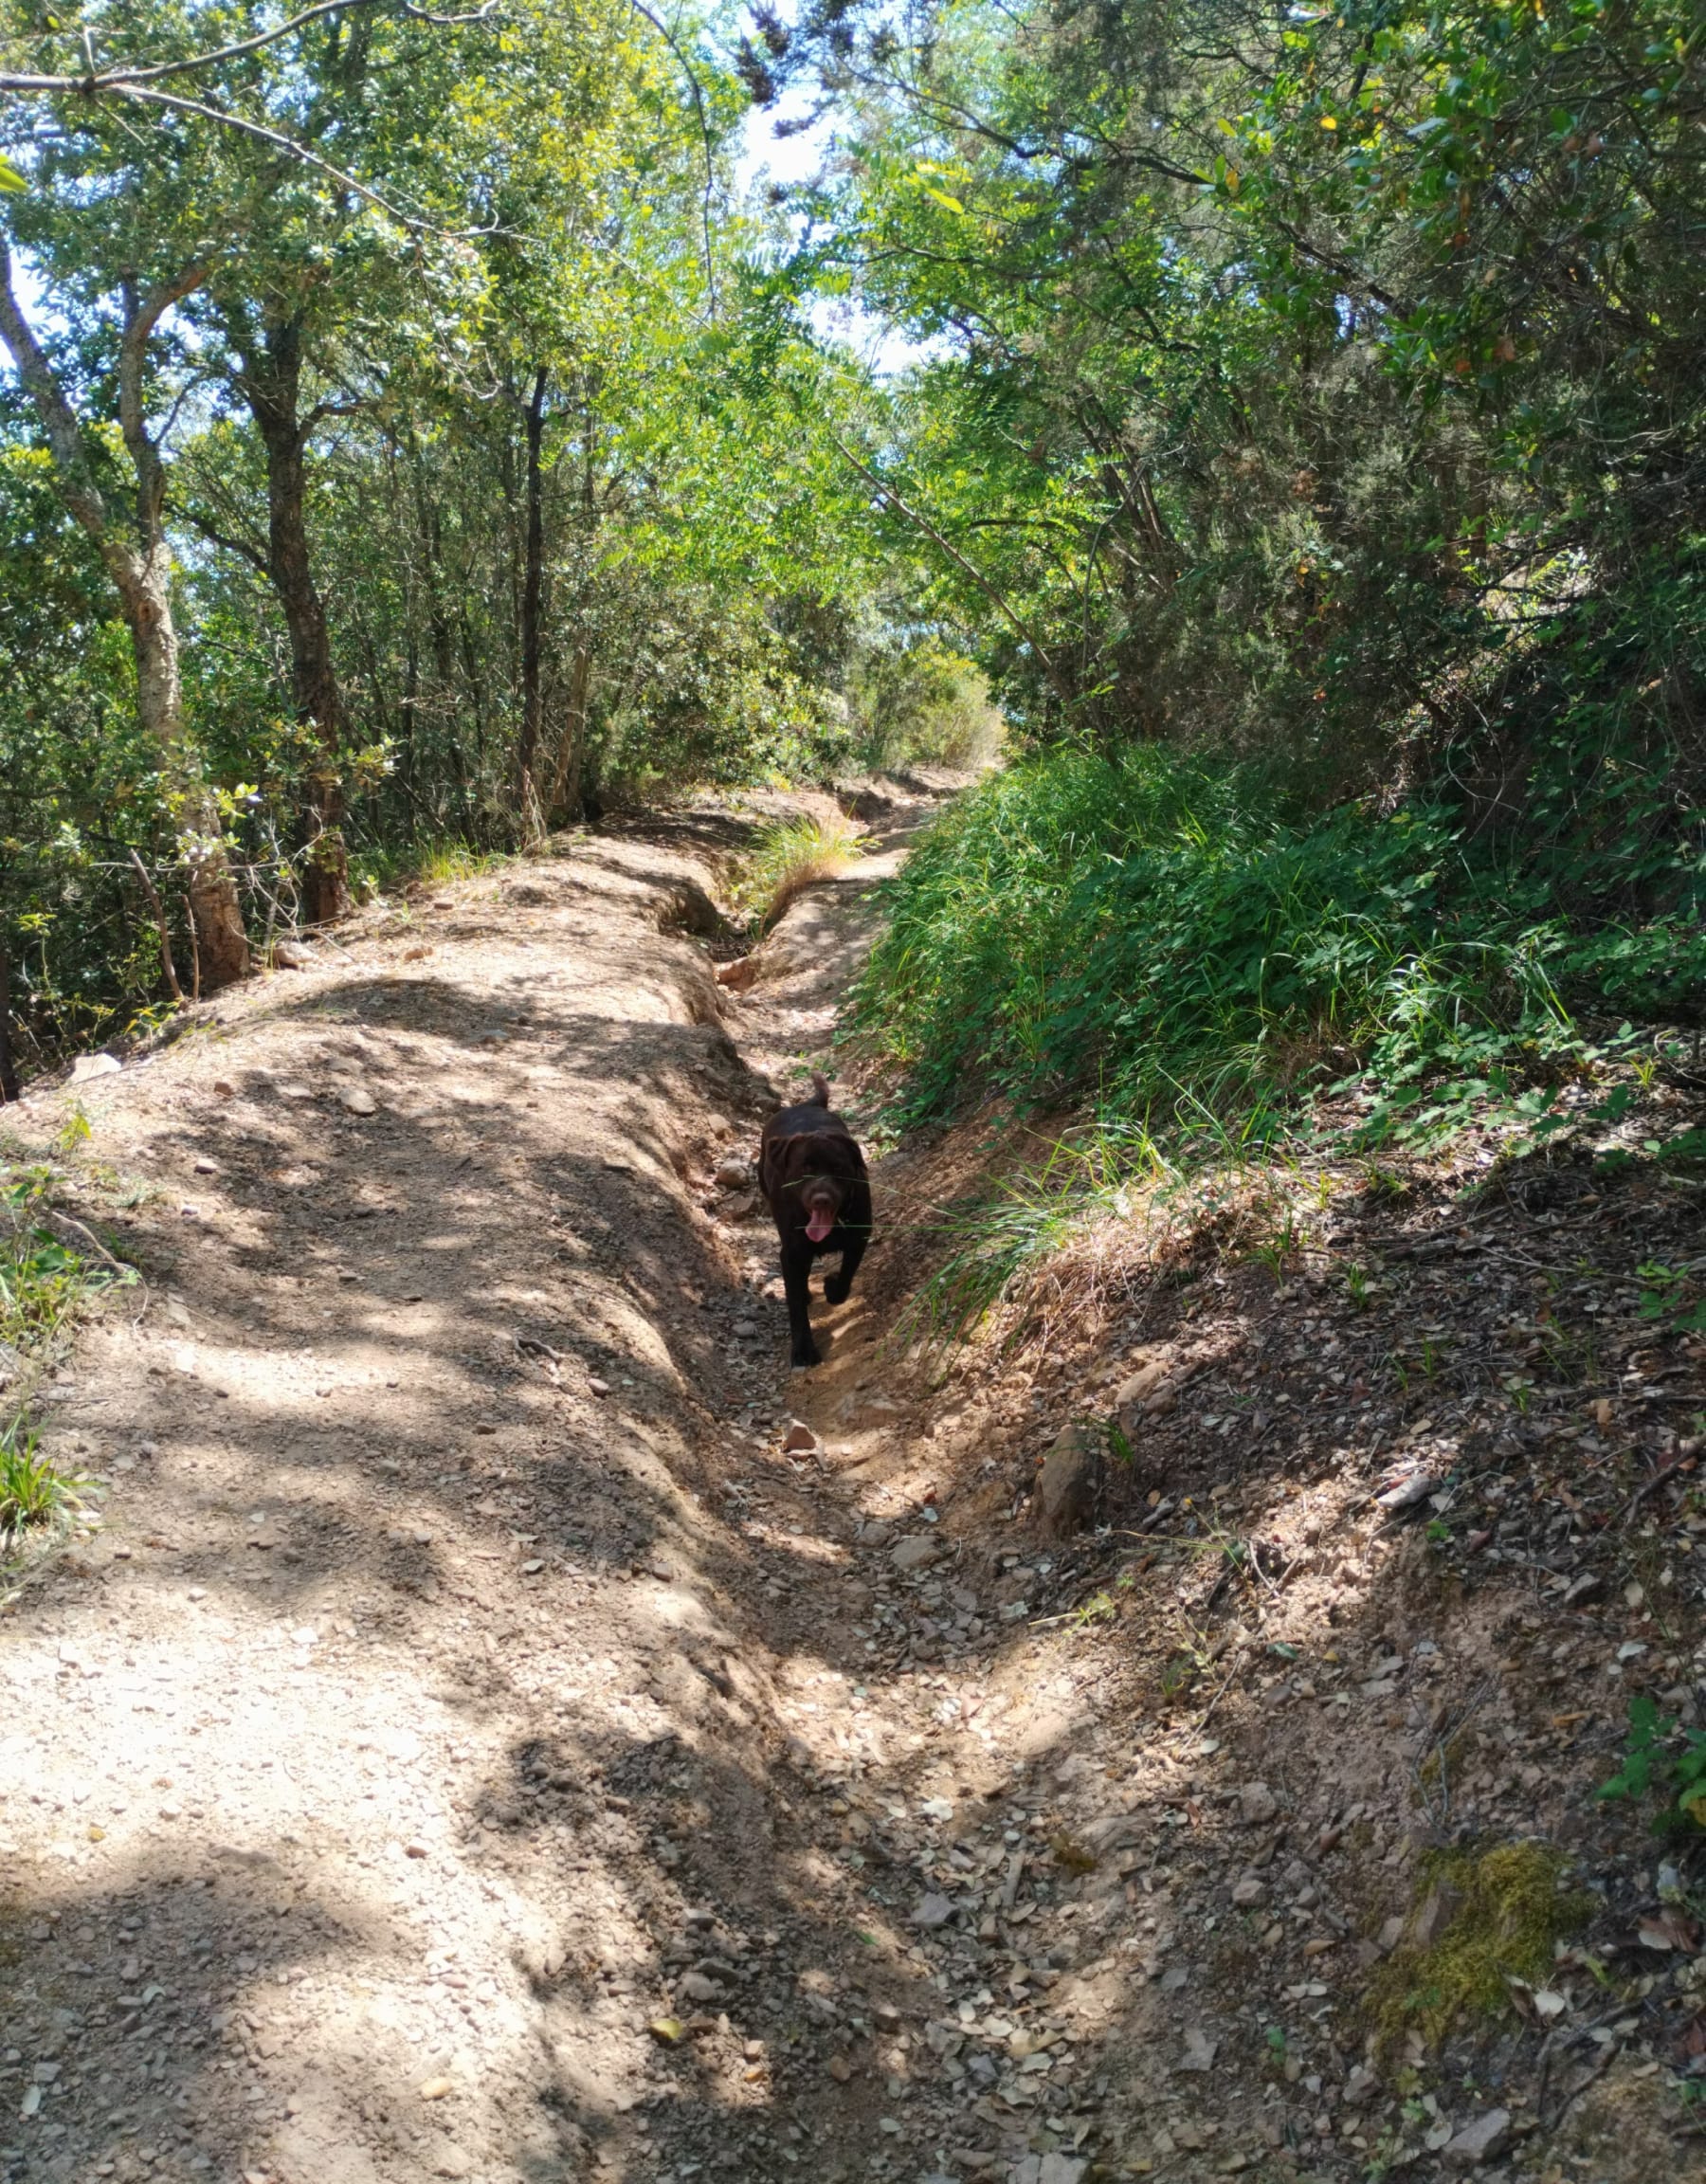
1068	1482
1480	2141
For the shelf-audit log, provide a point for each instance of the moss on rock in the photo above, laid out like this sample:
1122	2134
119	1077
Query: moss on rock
1481	1919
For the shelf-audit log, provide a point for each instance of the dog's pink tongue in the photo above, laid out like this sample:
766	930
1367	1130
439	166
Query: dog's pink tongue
819	1225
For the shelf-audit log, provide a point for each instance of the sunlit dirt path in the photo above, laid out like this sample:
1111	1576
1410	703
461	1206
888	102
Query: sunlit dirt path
388	1786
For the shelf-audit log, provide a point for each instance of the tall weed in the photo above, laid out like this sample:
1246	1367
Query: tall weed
43	1285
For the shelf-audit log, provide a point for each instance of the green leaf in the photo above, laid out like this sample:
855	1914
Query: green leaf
11	180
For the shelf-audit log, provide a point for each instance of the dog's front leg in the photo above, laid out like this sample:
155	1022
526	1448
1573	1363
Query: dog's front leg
796	1272
836	1285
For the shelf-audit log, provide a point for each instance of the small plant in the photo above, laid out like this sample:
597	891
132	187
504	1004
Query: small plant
789	857
39	1281
1663	1757
74	1131
32	1491
1358	1287
1275	1252
434	864
1672	1294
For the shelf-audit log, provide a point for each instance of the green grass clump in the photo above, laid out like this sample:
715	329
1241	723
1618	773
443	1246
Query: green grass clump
1510	1908
1170	934
43	1285
32	1491
790	857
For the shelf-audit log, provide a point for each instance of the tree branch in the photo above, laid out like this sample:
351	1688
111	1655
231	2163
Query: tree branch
996	598
194	64
65	436
140	318
241	547
699	107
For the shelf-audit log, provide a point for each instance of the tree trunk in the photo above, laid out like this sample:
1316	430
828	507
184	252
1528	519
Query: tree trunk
564	803
8	1066
220	940
143	574
270	382
532	608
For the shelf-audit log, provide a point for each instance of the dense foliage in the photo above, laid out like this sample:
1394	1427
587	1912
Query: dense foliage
417	430
1319	387
443	462
1317	377
1177	939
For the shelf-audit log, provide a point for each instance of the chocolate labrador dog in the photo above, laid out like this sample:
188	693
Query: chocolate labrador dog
813	1175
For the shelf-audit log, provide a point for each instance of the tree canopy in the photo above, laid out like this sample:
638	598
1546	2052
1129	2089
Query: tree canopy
420	425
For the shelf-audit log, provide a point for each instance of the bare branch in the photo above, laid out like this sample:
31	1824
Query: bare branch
40	383
996	598
152	893
141	316
225	539
98	80
287	145
699	107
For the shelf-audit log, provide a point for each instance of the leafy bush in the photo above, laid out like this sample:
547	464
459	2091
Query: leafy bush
1661	1758
1178	934
924	703
40	1282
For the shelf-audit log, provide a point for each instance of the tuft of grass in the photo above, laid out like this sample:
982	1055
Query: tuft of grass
43	1283
435	863
33	1492
1508	1908
1035	1213
429	860
790	857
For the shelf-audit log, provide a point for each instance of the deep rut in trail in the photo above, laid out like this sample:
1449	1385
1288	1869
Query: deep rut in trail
389	1787
503	1726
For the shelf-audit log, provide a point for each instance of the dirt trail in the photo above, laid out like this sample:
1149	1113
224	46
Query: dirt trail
389	1787
475	1745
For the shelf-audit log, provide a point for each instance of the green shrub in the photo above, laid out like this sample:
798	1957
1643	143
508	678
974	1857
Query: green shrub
32	1491
1175	935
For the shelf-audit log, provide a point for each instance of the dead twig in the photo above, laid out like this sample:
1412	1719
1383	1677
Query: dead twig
85	1237
194	953
167	965
1665	1471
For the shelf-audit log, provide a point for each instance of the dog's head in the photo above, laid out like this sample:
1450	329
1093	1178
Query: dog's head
813	1169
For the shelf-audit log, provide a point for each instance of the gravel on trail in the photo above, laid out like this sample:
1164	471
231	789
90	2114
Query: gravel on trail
496	1723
